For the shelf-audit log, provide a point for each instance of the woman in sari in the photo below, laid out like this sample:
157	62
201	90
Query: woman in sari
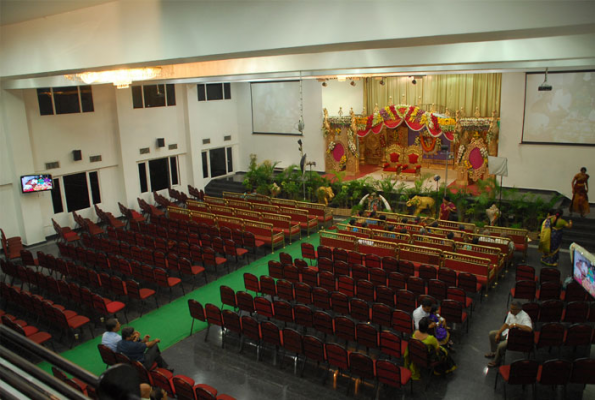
550	239
580	187
446	365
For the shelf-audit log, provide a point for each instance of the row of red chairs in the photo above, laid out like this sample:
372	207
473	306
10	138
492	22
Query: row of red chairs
307	346
339	326
527	273
54	315
22	327
180	386
550	373
550	335
558	311
12	246
60	289
549	290
75	383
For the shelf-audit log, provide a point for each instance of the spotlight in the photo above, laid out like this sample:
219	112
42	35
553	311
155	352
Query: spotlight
382	82
414	81
352	83
300	143
324	84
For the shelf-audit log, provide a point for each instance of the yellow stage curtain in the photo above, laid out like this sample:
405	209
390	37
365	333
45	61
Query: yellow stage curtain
445	91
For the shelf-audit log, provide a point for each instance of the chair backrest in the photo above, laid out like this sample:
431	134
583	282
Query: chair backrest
523	372
213	314
285	290
360	309
196	310
389	373
337	356
321	298
143	374
555	372
385	295
314	348
270	333
525	273
576	311
107	355
578	335
367	335
293	341
381	315
549	274
551	334
184	387
245	301
323	322
390	343
551	311
303	316
583	371
361	365
160	380
263	306
532	309
520	340
550	290
251	282
419	353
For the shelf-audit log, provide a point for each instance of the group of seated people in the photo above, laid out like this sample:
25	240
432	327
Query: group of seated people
130	344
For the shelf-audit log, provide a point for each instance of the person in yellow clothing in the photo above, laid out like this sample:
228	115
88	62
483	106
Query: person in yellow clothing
446	365
550	238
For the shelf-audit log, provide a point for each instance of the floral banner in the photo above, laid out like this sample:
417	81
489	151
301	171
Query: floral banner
415	118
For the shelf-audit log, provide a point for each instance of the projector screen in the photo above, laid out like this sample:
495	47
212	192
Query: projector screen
564	115
276	107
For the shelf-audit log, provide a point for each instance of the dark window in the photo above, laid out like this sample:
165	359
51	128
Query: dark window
217	162
94	181
76	191
227	90
229	160
171	94
154	95
44	97
137	97
201	92
67	100
205	165
57	197
214	91
86	98
142	176
159	174
173	167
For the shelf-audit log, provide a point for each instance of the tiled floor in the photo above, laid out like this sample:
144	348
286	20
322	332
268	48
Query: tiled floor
241	376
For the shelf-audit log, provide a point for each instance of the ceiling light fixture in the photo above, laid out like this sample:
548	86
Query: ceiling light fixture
121	78
352	83
381	81
324	84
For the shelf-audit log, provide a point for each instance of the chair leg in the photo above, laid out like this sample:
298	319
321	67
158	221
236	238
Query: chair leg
191	327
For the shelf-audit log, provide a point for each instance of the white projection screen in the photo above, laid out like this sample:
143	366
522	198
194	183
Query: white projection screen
276	107
564	115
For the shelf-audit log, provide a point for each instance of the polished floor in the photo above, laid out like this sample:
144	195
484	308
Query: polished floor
240	375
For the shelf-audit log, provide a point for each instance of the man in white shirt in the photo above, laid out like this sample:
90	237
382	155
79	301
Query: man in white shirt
111	337
516	318
421	312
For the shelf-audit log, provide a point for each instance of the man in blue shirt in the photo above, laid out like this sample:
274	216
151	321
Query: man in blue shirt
146	351
111	338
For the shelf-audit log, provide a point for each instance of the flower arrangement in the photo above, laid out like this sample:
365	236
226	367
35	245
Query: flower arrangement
331	147
460	153
351	143
338	131
467	165
343	162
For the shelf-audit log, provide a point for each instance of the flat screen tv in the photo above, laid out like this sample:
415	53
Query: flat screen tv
583	268
36	183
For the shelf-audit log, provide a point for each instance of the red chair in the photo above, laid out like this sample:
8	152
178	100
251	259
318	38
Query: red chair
213	317
359	272
231	323
525	273
245	302
197	312
184	387
134	291
366	335
314	350
303	293
574	292
576	312
525	290
345	329
427	272
389	373
385	295
519	340
391	344
406	268
205	392
303	316
550	335
275	269
340	255
251	282
251	242
422	356
163	380
554	373
341	268
263	306
107	355
228	297
107	307
285	290
360	310
272	335
361	365
327	281
578	335
308	252
337	356
325	264
324	251
533	310
346	285
340	303
291	273
232	250
210	259
292	343
323	322
251	330
549	290
402	322
321	298
365	290
381	315
143	374
397	280
70	324
453	312
416	285
549	274
458	294
468	282
520	372
377	276
583	371
406	300
268	286
447	276
283	311
186	268
390	264
285	258
354	257
166	281
551	311
438	289
373	261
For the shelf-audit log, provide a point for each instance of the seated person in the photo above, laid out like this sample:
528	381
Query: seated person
440	354
423	311
158	393
441	332
145	391
146	351
111	338
382	222
371	221
353	225
516	318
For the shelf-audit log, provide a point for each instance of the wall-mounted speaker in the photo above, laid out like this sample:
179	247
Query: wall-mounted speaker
77	155
160	142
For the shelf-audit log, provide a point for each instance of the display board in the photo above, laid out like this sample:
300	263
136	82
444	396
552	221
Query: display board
276	107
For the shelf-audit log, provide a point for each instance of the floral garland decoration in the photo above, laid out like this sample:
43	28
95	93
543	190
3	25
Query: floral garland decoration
484	154
351	143
331	147
460	153
343	162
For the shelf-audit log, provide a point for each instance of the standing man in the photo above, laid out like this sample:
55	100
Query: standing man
146	351
516	318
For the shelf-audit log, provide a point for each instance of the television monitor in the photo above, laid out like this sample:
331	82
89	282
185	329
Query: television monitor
583	269
36	183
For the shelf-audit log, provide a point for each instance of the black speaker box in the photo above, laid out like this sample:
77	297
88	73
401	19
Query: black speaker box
161	142
77	155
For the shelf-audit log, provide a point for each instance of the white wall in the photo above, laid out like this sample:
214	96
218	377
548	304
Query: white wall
284	148
341	94
549	167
